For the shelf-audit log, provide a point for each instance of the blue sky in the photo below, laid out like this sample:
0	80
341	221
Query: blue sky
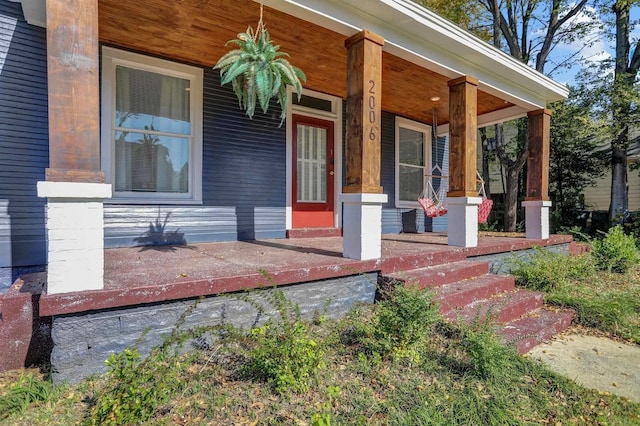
602	48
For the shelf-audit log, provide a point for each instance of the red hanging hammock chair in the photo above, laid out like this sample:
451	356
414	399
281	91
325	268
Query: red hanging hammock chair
432	202
484	209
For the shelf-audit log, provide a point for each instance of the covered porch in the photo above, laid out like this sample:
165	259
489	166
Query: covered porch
374	67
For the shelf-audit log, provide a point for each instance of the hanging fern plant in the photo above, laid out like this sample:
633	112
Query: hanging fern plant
258	71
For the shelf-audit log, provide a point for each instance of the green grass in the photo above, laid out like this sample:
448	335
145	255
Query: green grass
440	374
609	302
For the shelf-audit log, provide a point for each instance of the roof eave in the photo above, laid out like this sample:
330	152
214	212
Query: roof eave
423	37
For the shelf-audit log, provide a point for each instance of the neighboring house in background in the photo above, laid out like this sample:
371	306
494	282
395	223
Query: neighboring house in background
598	197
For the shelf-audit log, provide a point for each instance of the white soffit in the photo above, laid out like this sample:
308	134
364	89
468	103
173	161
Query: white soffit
426	39
34	11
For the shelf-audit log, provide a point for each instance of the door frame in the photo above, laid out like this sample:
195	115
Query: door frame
336	117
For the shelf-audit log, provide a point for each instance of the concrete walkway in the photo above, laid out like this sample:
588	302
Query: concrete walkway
594	362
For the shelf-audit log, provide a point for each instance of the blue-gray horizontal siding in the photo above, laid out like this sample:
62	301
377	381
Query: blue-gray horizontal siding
392	217
243	182
24	141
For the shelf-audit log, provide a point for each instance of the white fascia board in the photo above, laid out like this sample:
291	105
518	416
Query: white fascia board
421	36
490	118
34	11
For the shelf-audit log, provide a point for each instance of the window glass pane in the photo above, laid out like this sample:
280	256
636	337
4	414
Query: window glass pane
151	163
312	164
150	101
411	147
411	181
311	102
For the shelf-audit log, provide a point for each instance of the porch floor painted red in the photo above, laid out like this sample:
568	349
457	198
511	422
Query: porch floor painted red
154	274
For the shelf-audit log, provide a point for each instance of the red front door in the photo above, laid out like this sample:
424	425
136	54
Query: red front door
313	171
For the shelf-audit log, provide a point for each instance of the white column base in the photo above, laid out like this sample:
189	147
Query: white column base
75	235
362	225
537	219
462	224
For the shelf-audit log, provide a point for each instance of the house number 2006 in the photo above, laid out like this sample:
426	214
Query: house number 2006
371	103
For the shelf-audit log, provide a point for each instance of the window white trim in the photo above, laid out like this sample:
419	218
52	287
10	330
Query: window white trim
425	129
110	59
336	116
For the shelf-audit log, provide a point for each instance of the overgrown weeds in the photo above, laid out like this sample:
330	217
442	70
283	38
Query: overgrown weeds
602	300
27	390
616	252
283	352
546	271
401	322
378	372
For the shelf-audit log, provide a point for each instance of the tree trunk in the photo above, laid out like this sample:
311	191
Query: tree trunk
625	74
511	200
486	173
619	199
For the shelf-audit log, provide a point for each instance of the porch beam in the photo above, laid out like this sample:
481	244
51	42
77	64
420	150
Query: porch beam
538	129
463	137
74	108
364	100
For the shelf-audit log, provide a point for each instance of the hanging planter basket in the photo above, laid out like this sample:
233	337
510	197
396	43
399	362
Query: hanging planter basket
259	71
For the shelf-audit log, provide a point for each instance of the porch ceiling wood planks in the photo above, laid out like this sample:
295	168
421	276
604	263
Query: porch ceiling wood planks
195	31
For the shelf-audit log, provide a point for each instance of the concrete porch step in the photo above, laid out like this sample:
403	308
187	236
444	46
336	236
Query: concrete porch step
461	294
314	233
446	273
535	328
501	308
465	291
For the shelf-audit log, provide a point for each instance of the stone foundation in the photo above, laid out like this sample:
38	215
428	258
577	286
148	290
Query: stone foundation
82	342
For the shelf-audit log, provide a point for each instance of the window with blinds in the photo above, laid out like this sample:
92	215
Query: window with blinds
152	130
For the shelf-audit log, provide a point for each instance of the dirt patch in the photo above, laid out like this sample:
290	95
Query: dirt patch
594	361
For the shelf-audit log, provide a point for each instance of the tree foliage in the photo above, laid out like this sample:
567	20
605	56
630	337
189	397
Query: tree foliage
612	85
575	161
468	14
514	21
624	105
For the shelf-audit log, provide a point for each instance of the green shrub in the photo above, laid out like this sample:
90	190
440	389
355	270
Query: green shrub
402	321
545	270
287	357
137	388
489	357
27	390
285	354
616	252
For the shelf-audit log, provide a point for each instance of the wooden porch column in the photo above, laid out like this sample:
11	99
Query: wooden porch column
537	201
364	98
362	195
74	185
463	137
538	129
462	198
74	103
